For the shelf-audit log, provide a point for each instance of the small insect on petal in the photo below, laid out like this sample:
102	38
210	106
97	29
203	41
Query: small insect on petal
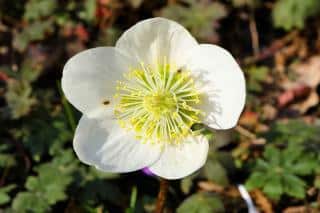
106	102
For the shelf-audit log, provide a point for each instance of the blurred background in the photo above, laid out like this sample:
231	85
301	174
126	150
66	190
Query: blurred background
274	151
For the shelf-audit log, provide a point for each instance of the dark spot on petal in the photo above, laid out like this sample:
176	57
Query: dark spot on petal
179	70
106	102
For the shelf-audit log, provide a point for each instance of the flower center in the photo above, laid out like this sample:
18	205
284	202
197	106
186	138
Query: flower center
158	104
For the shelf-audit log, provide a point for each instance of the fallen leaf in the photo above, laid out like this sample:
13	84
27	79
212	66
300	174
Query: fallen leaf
81	33
309	72
249	118
312	100
209	186
269	112
262	201
300	209
289	96
3	76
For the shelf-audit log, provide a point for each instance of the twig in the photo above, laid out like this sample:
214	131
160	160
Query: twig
171	2
271	50
162	195
318	198
4	175
254	34
245	132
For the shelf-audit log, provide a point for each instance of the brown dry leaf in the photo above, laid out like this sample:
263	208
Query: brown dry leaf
3	76
304	88
289	96
269	112
262	128
75	47
280	61
249	118
262	201
300	209
309	72
210	186
297	47
82	33
312	100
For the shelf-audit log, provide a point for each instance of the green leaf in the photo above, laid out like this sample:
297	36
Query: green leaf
197	17
6	160
272	155
35	31
256	180
289	14
19	98
29	72
89	12
4	197
213	170
26	202
305	166
201	203
50	183
317	182
278	173
53	136
290	155
273	187
296	134
293	186
262	165
36	9
49	186
186	184
256	75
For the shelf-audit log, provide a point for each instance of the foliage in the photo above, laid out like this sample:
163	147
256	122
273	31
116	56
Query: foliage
197	17
48	187
218	165
295	132
35	31
4	196
289	14
280	172
6	160
201	203
36	9
257	75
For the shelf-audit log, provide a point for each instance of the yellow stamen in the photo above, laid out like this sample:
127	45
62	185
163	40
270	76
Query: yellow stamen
158	104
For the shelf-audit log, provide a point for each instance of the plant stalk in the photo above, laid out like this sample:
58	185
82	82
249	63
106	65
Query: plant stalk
162	195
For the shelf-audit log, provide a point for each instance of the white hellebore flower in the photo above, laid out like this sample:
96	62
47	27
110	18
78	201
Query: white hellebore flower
140	98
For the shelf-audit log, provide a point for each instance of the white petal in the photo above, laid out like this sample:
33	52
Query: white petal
89	79
157	40
178	161
222	85
108	147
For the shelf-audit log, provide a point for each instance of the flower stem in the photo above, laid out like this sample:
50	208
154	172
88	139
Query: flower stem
162	195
